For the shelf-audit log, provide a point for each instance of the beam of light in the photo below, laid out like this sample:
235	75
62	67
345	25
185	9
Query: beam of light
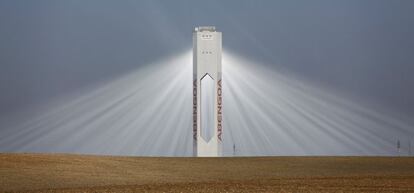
148	112
272	112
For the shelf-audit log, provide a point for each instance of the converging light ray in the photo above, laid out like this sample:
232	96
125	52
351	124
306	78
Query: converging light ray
148	112
134	115
300	118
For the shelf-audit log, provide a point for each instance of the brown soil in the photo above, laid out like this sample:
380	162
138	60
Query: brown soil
82	173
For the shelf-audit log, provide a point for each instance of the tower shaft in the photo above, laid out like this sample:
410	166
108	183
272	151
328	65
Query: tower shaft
207	92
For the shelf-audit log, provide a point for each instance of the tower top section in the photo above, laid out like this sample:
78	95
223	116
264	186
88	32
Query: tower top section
205	28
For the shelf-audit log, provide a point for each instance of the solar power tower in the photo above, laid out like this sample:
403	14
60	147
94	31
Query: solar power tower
207	92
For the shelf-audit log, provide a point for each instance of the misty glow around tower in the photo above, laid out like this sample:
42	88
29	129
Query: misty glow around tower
148	112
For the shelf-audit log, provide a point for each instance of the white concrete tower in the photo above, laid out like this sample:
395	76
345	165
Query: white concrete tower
207	92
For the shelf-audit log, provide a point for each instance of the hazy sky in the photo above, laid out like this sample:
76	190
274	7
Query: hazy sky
49	48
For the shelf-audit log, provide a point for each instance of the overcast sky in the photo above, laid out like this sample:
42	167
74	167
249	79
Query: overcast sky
49	48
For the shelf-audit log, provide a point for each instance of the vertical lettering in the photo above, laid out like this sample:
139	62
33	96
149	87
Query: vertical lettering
195	109
219	110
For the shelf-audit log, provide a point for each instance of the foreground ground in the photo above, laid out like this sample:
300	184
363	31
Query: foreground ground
80	173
